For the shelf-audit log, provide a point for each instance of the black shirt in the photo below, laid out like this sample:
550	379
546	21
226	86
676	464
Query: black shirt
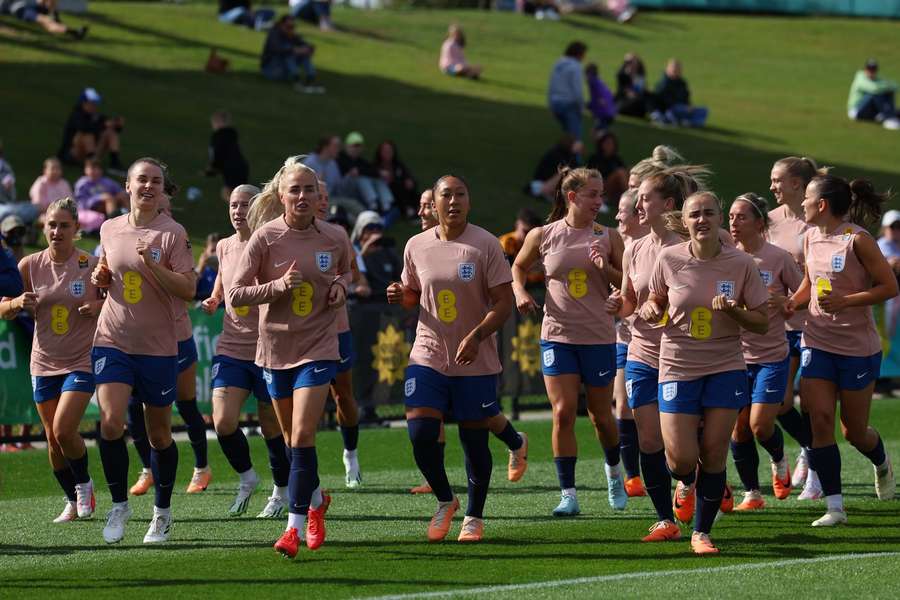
225	156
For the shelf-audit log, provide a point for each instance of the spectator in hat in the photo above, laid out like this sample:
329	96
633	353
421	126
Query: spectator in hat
376	255
872	98
12	228
360	178
90	134
42	12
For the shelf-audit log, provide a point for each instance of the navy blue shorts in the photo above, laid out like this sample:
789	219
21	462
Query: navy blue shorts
471	398
768	381
48	387
729	389
793	338
152	378
187	354
595	363
847	372
347	352
244	374
621	355
641	384
282	382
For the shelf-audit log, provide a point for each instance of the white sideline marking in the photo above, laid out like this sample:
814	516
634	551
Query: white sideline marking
492	589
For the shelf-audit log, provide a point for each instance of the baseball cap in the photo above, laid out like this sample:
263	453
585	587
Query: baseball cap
872	64
354	138
11	222
89	94
890	217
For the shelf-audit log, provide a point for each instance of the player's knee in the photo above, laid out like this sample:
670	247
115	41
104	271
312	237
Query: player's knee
424	430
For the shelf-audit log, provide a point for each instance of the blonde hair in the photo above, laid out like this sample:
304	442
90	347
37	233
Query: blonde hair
267	204
661	158
802	167
674	219
68	205
760	207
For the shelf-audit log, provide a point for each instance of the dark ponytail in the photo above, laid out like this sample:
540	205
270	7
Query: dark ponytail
857	199
570	180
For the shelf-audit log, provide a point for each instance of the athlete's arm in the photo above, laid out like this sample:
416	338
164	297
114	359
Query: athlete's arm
10	307
883	279
525	259
501	307
754	320
211	304
614	265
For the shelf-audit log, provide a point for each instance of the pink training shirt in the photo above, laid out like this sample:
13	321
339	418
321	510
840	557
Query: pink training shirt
623	326
451	54
240	325
139	315
453	279
576	288
833	265
641	258
781	276
296	326
62	336
698	341
184	329
343	317
788	232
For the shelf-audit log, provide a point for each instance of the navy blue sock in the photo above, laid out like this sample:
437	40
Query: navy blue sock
236	450
196	427
658	483
774	445
138	430
876	454
279	461
746	461
304	478
66	482
565	471
114	457
510	437
478	468
806	431
710	489
826	462
628	446
351	436
164	464
612	455
79	468
792	422
686	479
429	455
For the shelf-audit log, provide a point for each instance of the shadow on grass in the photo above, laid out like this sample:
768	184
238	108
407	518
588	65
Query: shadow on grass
106	583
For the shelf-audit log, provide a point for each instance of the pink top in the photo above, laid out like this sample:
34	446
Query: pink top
240	326
641	258
454	278
575	286
343	318
698	341
781	275
451	54
623	326
62	336
787	232
184	330
832	264
296	326
139	315
43	191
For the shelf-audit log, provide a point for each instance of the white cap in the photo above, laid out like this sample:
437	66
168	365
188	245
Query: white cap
890	217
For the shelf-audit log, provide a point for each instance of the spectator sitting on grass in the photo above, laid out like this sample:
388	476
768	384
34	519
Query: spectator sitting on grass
42	12
94	192
601	103
225	156
88	133
673	100
398	177
546	174
239	12
512	242
631	87
49	186
285	53
377	256
872	98
453	59
317	12
541	9
360	177
25	211
606	159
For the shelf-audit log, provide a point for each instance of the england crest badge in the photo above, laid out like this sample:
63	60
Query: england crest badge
725	288
766	277
323	261
156	254
76	288
837	262
466	271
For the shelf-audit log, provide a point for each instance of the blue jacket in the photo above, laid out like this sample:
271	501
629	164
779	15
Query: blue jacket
11	284
566	83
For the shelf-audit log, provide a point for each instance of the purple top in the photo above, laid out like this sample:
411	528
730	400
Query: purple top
601	103
88	192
